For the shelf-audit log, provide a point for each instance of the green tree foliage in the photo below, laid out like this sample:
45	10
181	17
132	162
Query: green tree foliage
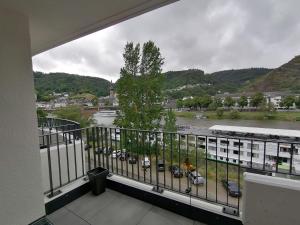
257	99
297	102
220	112
216	103
288	101
179	103
140	87
243	101
74	113
234	114
41	113
229	102
46	84
170	121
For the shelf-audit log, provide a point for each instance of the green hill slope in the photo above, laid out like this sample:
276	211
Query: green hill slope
201	84
284	78
71	83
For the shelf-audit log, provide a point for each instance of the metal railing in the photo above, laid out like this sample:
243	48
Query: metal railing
50	125
202	166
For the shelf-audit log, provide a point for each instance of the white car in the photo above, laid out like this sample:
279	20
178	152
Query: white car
196	178
146	162
115	154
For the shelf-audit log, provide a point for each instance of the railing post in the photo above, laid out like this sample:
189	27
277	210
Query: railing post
156	188
49	167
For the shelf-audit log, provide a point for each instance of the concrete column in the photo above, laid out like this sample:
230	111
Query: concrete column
21	195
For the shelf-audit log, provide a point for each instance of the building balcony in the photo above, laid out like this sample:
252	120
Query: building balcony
68	152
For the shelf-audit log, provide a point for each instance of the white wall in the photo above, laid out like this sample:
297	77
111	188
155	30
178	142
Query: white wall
270	200
80	164
21	194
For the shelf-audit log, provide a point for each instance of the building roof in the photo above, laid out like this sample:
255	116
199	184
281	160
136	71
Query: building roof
257	130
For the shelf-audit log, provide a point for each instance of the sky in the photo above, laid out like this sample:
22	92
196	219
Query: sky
211	35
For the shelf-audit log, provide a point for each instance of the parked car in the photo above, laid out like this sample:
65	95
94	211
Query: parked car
123	155
176	171
146	162
132	160
160	166
232	188
115	154
196	178
104	150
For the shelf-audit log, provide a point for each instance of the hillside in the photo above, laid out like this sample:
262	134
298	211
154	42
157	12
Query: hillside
284	78
71	83
200	84
175	79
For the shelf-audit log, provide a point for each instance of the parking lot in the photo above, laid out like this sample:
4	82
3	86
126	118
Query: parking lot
212	190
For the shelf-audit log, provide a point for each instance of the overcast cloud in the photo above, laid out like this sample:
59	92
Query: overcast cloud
210	35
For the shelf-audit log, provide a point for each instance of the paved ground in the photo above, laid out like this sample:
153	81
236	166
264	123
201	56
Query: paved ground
212	191
114	208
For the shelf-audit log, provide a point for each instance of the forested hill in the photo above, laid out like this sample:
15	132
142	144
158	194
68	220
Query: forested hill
177	84
175	79
71	83
195	82
284	78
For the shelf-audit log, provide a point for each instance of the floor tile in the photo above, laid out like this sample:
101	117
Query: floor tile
160	216
124	210
65	217
90	205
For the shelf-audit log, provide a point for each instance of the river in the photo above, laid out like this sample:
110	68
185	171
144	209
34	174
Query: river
107	121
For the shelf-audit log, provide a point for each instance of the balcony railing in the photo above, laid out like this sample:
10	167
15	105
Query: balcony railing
163	160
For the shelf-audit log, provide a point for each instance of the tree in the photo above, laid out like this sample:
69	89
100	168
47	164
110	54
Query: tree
243	101
218	102
297	102
74	113
287	101
179	103
170	121
41	113
257	99
205	101
139	88
229	102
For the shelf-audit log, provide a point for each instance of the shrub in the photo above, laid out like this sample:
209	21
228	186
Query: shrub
220	112
234	114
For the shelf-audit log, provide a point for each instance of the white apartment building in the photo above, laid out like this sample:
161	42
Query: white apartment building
254	146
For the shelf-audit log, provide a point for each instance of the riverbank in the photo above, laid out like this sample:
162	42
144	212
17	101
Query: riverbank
280	116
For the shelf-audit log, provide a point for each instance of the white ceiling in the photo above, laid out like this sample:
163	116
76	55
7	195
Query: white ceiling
55	22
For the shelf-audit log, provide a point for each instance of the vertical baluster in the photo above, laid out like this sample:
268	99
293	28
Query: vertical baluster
206	168
75	156
82	153
88	148
49	166
58	159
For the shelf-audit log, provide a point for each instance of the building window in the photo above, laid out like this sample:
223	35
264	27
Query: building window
284	149
224	142
221	158
201	139
254	155
237	144
211	140
235	152
223	150
254	146
234	160
212	148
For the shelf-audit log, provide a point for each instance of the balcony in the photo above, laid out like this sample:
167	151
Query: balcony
68	152
113	207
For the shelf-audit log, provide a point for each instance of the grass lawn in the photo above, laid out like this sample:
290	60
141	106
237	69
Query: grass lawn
284	116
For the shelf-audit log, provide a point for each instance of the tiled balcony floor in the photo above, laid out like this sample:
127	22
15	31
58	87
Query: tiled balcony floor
114	208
